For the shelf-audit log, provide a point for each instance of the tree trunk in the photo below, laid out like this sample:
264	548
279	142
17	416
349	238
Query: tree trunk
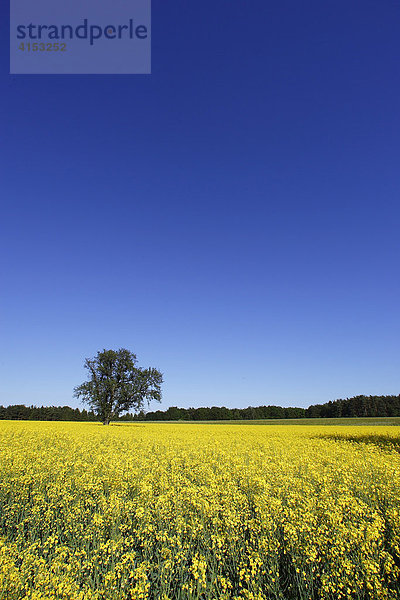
106	422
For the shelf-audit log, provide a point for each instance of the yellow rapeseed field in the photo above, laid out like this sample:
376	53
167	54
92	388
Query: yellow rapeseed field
198	511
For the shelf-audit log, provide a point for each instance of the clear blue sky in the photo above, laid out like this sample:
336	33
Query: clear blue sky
232	218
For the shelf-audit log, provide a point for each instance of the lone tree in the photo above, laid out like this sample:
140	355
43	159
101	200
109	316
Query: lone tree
116	384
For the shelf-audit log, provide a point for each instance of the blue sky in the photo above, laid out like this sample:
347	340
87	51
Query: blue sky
232	218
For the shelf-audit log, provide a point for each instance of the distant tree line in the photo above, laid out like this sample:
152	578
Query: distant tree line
358	406
221	413
45	413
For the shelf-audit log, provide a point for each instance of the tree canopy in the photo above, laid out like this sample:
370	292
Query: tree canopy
116	384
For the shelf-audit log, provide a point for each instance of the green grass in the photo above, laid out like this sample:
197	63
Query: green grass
371	421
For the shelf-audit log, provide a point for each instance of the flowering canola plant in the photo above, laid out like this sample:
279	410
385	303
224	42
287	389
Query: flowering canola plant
198	511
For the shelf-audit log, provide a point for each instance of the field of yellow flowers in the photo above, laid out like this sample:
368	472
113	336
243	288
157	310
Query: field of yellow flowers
198	511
